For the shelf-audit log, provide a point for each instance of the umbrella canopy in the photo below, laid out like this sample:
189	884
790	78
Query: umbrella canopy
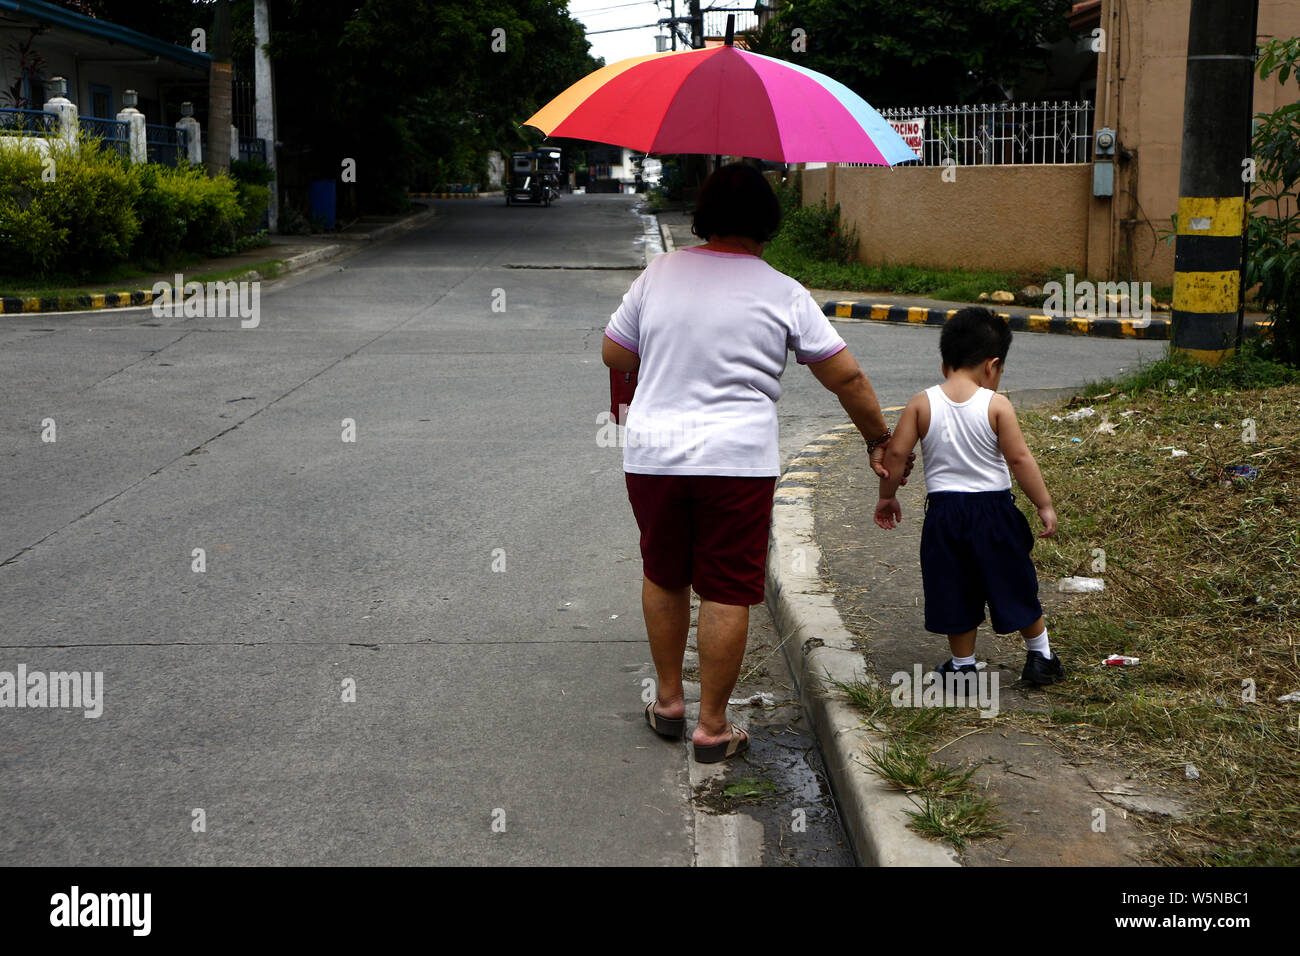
723	100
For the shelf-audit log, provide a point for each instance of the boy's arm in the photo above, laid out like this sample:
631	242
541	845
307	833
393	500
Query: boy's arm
1021	461
900	446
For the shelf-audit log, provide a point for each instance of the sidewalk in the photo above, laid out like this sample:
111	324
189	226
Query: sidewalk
855	612
286	253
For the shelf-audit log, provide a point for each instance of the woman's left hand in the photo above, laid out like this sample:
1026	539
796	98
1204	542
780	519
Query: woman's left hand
877	459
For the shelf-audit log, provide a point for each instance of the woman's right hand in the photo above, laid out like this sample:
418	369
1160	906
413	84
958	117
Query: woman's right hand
888	513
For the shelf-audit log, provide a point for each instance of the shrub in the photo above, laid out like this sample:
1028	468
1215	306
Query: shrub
80	222
30	242
182	208
162	222
1274	256
815	231
251	171
253	200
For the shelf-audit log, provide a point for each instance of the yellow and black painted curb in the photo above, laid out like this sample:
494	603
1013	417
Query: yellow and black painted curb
14	305
1061	325
804	470
443	195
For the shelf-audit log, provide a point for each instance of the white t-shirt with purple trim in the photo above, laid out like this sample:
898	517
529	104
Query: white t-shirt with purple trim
713	330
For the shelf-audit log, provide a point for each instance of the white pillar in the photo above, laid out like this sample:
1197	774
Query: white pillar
193	134
66	110
234	142
264	90
138	147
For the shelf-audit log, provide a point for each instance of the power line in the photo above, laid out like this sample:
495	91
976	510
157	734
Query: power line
617	6
644	26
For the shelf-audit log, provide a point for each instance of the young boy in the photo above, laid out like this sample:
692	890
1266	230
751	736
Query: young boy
975	543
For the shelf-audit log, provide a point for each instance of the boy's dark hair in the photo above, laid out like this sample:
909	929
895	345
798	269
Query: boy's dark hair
973	335
736	200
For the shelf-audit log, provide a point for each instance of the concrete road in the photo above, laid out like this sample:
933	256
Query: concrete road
496	717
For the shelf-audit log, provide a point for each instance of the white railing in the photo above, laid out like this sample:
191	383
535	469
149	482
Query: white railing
997	134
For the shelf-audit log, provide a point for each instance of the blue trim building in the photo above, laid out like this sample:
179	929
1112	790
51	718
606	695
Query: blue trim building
99	59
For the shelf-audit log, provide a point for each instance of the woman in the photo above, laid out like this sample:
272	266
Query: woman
707	330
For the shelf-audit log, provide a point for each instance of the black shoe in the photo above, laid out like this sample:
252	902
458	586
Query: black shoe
963	687
948	667
1041	671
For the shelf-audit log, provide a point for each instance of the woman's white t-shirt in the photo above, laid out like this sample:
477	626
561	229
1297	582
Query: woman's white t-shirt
713	330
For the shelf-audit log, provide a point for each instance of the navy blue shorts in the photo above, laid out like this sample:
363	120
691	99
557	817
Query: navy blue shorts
974	551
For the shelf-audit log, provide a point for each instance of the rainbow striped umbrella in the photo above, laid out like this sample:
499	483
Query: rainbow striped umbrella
723	100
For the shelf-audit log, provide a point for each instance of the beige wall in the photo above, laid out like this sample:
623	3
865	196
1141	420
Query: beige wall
1032	217
1140	90
989	217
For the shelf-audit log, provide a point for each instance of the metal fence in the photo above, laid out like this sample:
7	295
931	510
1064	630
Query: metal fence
113	133
252	149
14	122
165	144
997	134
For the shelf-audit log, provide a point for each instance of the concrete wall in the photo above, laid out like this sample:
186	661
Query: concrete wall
990	217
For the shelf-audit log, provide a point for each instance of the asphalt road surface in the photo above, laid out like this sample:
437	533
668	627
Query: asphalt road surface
420	646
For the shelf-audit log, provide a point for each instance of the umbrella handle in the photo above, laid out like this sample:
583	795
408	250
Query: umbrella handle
731	28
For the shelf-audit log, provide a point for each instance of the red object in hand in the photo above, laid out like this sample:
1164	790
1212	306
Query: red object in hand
621	387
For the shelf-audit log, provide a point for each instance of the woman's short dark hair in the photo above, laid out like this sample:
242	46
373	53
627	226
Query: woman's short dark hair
736	200
973	335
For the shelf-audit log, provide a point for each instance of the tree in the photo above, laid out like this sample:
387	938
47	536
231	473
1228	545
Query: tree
925	52
220	75
1274	256
410	89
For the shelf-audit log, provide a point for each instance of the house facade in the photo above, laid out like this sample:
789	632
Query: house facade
100	61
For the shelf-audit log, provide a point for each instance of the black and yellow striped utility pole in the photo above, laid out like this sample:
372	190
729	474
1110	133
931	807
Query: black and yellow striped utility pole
1211	189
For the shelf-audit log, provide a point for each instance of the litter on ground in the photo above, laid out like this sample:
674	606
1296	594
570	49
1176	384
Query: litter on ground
1077	585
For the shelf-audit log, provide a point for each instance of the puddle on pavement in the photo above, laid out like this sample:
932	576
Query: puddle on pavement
781	783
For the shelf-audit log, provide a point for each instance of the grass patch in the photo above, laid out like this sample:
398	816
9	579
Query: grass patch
113	279
907	766
67	297
948	805
1202	570
955	285
268	269
959	820
717	796
748	788
1252	367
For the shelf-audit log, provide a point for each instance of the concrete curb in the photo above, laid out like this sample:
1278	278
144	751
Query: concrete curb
667	235
1103	328
820	650
15	305
91	302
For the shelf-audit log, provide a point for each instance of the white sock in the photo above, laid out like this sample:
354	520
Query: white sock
1039	644
963	661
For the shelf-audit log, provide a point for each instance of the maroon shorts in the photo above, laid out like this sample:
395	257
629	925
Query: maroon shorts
708	531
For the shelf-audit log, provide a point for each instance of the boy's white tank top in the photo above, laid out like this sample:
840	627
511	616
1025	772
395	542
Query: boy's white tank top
960	451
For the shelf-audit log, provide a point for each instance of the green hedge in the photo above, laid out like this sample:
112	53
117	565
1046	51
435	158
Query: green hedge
97	211
816	232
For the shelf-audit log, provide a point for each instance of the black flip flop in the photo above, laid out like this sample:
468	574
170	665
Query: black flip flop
714	753
674	728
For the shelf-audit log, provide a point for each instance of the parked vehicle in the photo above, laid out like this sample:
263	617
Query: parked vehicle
534	177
